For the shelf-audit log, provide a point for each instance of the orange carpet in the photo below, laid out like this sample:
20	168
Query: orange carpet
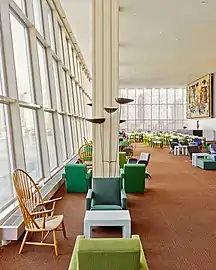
175	218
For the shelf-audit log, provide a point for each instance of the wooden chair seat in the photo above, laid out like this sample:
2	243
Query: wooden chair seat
51	223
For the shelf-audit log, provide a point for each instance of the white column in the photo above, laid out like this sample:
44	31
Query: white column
105	14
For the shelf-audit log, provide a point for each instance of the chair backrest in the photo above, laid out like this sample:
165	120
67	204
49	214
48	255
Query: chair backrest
134	177
213	147
132	160
144	157
108	254
106	191
28	196
193	149
198	140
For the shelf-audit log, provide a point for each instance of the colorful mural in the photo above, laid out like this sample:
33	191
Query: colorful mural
199	97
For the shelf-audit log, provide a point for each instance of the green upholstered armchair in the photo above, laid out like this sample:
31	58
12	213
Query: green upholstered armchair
108	254
77	178
134	177
106	194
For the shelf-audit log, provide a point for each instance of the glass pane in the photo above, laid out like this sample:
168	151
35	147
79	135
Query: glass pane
51	29
75	64
123	93
171	96
124	112
184	96
163	111
70	96
131	126
65	50
31	143
62	134
74	134
78	99
163	96
50	133
71	58
21	4
21	58
75	99
147	111
60	43
139	126
139	96
44	75
163	125
171	112
155	96
147	126
2	81
155	111
179	96
132	95
131	112
139	112
70	136
147	96
6	190
57	87
38	16
179	111
170	125
65	89
155	125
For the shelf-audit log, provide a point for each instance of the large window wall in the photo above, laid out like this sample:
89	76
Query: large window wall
44	89
154	109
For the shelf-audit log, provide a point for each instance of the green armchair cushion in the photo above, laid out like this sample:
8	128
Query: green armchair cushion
108	254
106	191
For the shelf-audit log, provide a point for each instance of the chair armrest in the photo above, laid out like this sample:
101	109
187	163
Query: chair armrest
143	262
89	174
122	174
74	259
39	213
123	199
50	201
88	199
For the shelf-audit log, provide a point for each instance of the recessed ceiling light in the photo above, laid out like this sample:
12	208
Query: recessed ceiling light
203	2
161	33
177	39
134	13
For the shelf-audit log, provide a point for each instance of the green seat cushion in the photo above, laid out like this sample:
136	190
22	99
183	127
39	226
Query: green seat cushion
106	191
106	207
108	254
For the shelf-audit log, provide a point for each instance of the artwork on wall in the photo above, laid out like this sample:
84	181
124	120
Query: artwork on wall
199	97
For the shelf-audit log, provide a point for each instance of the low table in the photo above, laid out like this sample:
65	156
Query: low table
198	155
108	218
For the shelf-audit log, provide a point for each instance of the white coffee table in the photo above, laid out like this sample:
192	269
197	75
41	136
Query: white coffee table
181	148
197	155
116	218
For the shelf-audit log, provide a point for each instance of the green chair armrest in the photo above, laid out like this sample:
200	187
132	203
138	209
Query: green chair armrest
63	175
89	178
123	199
73	263
143	262
88	199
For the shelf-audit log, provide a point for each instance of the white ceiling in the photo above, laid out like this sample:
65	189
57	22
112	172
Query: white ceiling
163	43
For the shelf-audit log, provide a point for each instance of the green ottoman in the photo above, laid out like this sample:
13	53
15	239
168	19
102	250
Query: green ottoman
206	164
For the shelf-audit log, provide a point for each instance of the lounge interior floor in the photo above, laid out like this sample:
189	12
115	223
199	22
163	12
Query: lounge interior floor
175	218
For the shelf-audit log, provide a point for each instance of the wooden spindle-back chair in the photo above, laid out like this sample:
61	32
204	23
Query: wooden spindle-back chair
36	217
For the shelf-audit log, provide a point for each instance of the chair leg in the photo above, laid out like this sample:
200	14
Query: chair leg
23	242
55	242
63	229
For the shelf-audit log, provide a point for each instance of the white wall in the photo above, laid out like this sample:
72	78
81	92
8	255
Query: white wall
206	123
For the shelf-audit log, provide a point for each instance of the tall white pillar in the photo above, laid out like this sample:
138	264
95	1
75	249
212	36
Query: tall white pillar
105	84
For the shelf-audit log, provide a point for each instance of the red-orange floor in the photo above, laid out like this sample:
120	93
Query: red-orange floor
176	219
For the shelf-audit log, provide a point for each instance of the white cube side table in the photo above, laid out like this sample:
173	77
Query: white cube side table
197	155
116	218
